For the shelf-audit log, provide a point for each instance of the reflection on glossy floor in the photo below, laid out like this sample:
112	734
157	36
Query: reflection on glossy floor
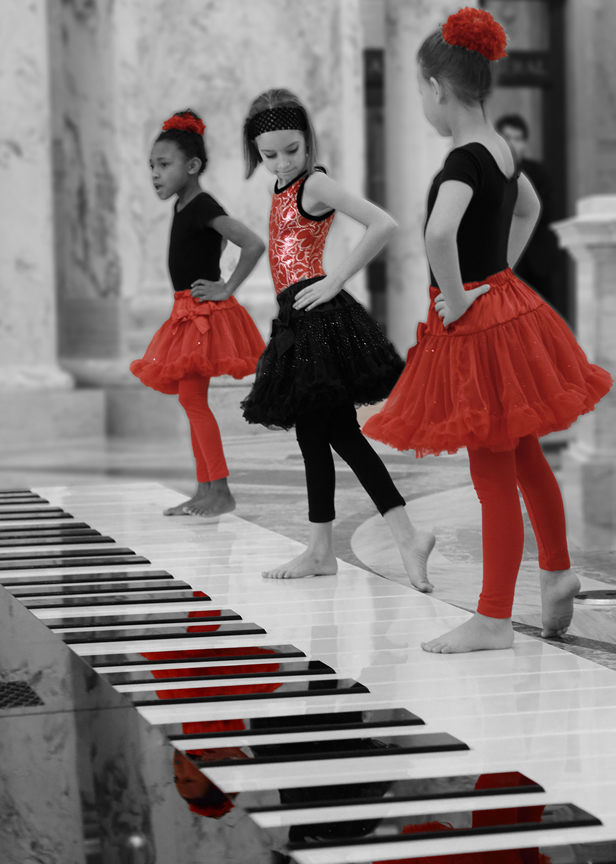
455	568
494	723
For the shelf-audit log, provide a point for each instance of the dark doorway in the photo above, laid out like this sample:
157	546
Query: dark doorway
530	82
374	94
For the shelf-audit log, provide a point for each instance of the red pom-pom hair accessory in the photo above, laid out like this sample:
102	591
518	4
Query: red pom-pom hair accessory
185	122
476	30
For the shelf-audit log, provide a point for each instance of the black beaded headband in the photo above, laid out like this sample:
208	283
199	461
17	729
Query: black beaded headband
274	119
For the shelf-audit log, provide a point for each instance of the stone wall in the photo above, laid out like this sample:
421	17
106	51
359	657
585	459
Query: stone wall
591	85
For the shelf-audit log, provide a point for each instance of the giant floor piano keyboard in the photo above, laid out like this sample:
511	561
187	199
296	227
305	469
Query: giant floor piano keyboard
308	702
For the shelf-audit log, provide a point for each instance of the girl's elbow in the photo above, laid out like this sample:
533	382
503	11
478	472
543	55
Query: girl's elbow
392	226
388	226
438	236
257	246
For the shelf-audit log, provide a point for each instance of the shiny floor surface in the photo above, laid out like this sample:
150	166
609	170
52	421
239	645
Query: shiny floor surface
535	709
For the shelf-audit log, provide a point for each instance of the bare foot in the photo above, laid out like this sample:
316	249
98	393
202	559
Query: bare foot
479	633
308	563
414	546
415	559
200	495
558	588
215	505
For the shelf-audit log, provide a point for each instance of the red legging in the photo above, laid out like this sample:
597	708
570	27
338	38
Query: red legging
496	477
204	431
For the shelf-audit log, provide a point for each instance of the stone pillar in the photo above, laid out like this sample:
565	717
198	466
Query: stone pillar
591	80
28	356
348	156
85	163
589	466
37	402
415	153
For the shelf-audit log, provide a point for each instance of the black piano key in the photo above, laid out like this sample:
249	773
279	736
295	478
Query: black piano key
416	789
137	620
80	529
69	553
233	628
463	823
119	576
95	588
114	600
206	673
333	748
49	513
7	492
237	692
28	509
603	597
97	560
378	717
19	501
600	852
179	657
63	540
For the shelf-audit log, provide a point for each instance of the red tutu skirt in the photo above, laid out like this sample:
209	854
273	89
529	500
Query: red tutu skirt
208	339
509	367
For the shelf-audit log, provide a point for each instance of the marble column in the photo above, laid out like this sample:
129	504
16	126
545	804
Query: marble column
348	157
591	90
28	351
85	164
414	153
589	465
37	399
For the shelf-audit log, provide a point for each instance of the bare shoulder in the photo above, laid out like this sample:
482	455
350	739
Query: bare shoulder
320	194
506	153
319	182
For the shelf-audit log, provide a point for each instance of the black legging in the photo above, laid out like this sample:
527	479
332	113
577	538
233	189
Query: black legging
338	427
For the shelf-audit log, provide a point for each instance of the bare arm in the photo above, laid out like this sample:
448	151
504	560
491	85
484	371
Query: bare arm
252	247
322	193
525	216
441	246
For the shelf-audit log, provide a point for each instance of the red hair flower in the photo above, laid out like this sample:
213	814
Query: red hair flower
476	30
186	123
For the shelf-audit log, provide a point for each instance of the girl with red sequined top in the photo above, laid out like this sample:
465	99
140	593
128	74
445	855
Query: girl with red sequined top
208	333
326	354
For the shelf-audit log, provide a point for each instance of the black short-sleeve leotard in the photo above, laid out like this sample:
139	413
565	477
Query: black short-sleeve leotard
483	234
194	247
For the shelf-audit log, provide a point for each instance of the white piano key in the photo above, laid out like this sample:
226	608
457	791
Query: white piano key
535	709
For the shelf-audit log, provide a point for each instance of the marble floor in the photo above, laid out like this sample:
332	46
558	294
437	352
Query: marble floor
267	479
322	680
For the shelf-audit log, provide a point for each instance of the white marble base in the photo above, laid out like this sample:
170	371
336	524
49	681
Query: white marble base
34	377
589	490
32	416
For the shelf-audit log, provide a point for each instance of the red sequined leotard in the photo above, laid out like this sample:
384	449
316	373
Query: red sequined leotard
296	239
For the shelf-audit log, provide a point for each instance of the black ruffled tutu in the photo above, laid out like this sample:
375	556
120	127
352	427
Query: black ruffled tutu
331	355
